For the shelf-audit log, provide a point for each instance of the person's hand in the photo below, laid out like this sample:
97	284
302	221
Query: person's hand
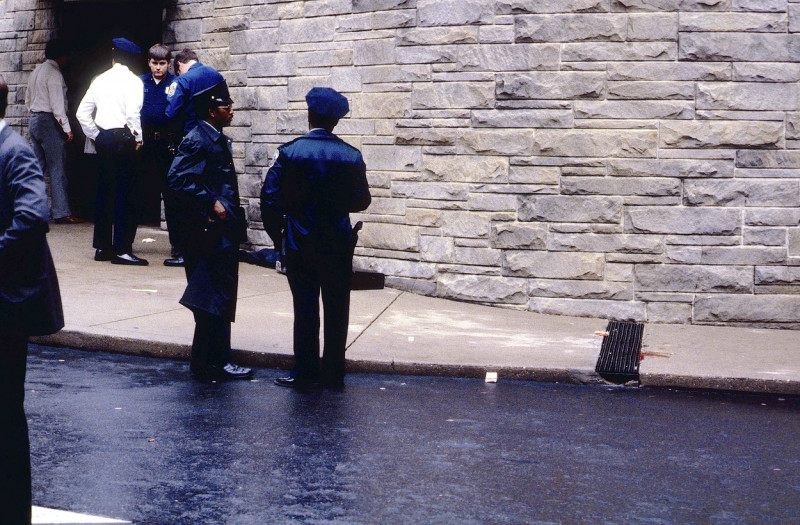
138	146
70	136
220	210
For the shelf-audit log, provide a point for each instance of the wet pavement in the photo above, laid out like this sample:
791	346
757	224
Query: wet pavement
136	439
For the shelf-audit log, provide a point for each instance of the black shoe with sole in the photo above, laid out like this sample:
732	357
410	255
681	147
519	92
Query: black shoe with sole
128	259
174	261
226	372
298	384
103	255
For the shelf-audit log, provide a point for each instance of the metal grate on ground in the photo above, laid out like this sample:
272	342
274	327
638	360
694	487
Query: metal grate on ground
620	352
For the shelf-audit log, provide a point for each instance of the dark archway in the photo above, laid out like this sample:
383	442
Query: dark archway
89	28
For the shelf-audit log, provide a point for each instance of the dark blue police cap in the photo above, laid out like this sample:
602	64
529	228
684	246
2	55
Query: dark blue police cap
327	102
216	95
123	44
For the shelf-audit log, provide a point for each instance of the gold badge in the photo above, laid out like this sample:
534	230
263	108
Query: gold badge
170	91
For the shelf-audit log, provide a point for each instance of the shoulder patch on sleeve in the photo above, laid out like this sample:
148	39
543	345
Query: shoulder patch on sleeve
170	91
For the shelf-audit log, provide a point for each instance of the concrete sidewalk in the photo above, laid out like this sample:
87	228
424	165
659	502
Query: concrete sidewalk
135	310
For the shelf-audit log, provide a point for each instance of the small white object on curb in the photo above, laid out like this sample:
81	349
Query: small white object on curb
491	377
148	240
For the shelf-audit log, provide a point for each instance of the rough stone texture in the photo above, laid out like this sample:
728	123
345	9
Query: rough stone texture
631	159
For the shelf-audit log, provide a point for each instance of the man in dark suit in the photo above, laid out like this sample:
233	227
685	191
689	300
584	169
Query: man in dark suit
30	304
203	175
315	182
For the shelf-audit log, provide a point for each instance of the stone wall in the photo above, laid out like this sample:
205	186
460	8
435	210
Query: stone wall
630	159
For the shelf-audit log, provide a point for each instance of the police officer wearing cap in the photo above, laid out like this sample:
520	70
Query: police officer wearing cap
109	115
203	175
193	78
315	182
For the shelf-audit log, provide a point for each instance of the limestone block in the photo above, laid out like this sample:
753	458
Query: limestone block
739	22
635	109
327	8
508	57
387	206
618	51
672	313
551	85
606	243
728	308
478	256
505	7
437	249
639	186
465	224
652	5
423	217
770	6
595	143
380	105
461	168
652	26
307	30
777	275
663	71
525	118
425	54
715	134
399	268
430	191
358	23
534	175
324	58
551	265
693	278
482	289
454	12
392	158
748	96
255	41
496	142
670	168
570	27
362	6
794	18
496	34
618	291
390	237
715	193
225	24
651	90
764	236
683	221
772	217
271	65
793	241
492	202
766	72
750	255
186	30
599	308
426	136
394	73
436	36
737	47
518	236
373	52
562	208
392	20
453	95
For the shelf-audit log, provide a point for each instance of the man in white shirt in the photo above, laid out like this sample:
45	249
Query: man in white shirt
109	115
46	98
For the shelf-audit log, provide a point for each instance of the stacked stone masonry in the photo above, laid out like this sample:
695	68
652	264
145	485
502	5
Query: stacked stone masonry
628	159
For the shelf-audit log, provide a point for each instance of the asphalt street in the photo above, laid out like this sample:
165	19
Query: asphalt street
137	439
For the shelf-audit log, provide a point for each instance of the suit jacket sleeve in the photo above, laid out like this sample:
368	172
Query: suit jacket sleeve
185	175
271	197
26	187
361	196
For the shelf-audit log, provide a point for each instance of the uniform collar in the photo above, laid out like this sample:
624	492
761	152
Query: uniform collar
211	130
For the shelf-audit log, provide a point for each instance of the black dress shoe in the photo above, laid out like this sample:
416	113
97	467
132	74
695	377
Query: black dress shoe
69	219
102	255
298	384
175	261
226	372
128	259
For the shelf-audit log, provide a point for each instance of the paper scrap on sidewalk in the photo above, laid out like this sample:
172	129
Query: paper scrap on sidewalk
491	377
148	239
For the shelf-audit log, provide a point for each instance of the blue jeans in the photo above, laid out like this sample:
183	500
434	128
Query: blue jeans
48	141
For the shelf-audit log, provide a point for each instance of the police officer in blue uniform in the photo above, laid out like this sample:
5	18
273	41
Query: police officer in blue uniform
193	78
315	182
160	139
203	174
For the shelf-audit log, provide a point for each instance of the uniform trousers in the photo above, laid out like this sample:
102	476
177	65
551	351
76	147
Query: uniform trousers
115	215
15	464
309	274
211	345
47	139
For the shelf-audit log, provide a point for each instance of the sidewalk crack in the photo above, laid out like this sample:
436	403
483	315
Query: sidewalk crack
375	319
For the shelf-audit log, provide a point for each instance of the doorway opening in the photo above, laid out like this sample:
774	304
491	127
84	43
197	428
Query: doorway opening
88	28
